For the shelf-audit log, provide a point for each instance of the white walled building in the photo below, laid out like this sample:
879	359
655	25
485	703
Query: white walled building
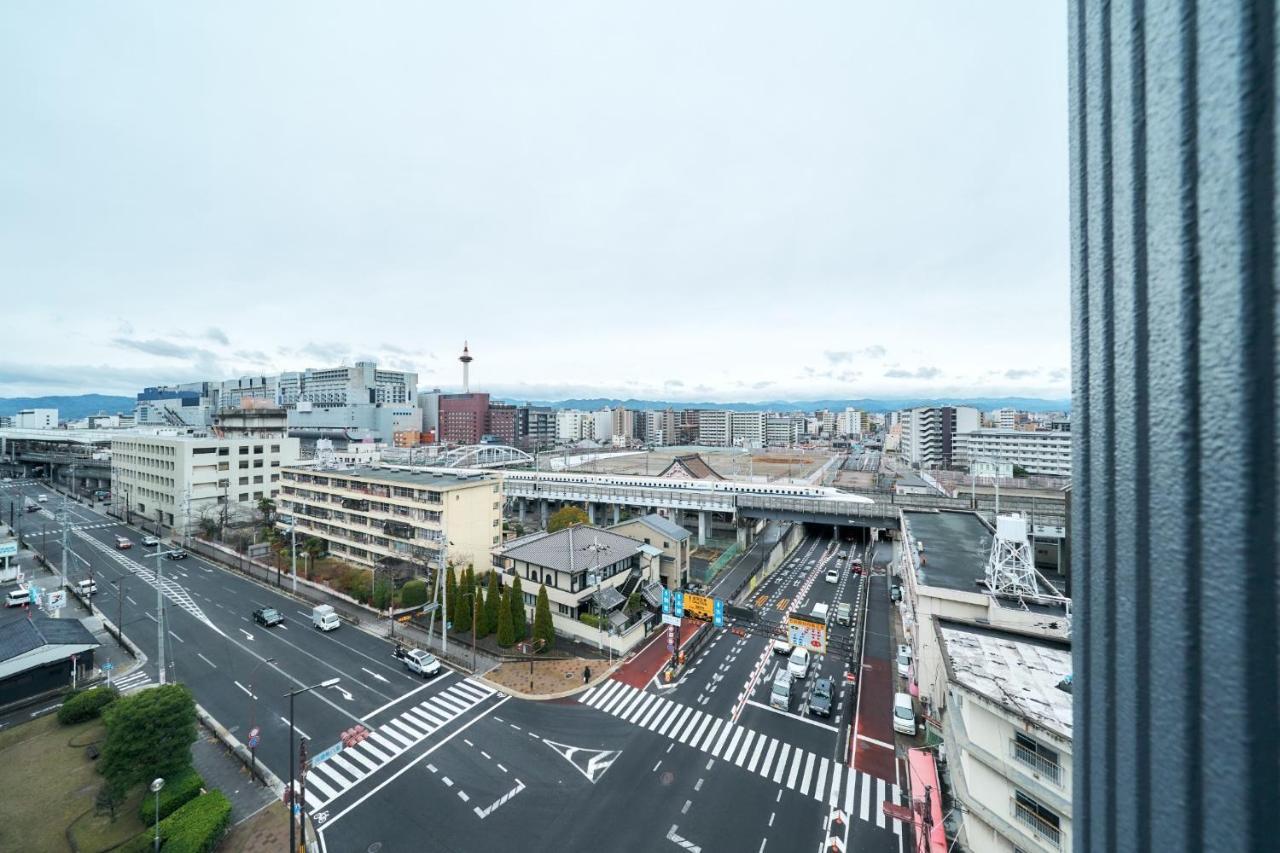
747	429
1005	418
1042	452
851	422
602	426
185	477
715	428
1007	723
783	430
661	427
929	433
36	419
572	426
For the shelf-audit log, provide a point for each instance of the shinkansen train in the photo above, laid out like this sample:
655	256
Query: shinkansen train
739	488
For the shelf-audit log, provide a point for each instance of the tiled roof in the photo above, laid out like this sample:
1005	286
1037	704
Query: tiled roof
691	464
26	635
660	524
569	550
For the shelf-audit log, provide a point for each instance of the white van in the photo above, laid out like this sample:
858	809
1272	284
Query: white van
780	693
820	611
904	714
87	587
17	597
904	660
843	612
324	618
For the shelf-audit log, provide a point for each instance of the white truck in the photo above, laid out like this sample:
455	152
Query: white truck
820	611
324	618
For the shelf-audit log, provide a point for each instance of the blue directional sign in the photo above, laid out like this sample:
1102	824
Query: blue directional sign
326	754
718	613
679	604
108	666
666	601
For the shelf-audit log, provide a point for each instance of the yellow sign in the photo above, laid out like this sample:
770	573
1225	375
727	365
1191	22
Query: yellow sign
807	632
699	607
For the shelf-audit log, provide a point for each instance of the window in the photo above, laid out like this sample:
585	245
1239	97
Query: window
244	463
199	451
222	466
275	463
244	496
258	478
257	496
244	481
275	478
257	463
244	450
223	451
257	449
275	448
1041	820
1039	758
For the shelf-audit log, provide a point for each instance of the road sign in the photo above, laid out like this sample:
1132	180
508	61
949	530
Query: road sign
717	613
679	603
56	600
699	606
668	619
8	549
666	601
108	666
807	632
325	754
671	638
253	741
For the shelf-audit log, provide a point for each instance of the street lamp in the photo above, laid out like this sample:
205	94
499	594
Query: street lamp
156	785
294	800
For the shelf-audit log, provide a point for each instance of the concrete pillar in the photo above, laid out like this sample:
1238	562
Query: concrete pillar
520	502
617	513
702	527
591	513
543	504
744	536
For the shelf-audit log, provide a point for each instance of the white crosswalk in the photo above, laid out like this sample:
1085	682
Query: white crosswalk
808	773
135	680
331	777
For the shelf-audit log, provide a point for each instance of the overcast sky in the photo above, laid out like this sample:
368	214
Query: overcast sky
711	201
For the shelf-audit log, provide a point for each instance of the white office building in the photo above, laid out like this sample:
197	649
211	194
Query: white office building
715	428
851	422
570	424
1041	452
182	479
929	434
1007	723
782	430
36	419
747	429
1005	418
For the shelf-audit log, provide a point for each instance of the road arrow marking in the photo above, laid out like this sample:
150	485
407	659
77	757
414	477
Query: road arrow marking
374	674
591	763
246	634
683	842
345	694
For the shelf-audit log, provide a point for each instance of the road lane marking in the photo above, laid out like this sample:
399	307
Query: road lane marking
382	708
285	720
176	637
484	813
247	691
206	660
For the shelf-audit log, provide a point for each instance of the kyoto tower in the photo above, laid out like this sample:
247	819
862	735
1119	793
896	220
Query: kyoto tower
465	358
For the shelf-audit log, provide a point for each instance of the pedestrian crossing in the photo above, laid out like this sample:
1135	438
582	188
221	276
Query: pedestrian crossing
135	680
328	779
811	775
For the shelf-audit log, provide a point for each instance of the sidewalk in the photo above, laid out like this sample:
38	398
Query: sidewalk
222	770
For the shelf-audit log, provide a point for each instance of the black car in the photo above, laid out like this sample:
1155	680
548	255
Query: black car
267	616
820	697
177	554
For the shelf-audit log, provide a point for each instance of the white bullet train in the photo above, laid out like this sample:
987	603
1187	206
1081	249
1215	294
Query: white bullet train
550	478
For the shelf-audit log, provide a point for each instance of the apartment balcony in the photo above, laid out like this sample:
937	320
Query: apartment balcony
355	503
1036	825
1042	768
398	529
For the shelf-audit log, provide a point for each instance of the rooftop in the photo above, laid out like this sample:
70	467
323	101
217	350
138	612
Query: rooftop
406	476
1018	673
956	548
569	550
660	524
28	643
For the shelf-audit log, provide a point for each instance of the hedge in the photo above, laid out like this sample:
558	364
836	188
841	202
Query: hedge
177	792
590	619
85	705
413	594
197	827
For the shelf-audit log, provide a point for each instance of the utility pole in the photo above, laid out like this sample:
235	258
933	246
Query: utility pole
66	527
159	610
293	545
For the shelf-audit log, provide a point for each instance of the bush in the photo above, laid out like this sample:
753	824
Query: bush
85	705
177	792
197	827
413	593
590	619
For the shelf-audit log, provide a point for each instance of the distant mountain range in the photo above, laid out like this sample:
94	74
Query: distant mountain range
986	404
69	408
83	405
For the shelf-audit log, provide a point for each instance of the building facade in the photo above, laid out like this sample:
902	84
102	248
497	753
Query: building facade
715	428
673	540
369	515
36	419
464	418
746	429
928	434
1041	452
183	479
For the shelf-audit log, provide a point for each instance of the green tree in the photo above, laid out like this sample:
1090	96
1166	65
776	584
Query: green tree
483	628
413	593
382	594
492	602
477	612
634	603
543	628
267	507
149	734
566	516
518	619
506	630
456	606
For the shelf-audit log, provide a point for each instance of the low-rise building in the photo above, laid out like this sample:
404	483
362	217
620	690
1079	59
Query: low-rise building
661	532
585	571
36	419
1007	722
1037	452
368	516
182	479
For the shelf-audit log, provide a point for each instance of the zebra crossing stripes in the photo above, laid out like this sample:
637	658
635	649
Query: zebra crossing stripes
135	680
330	778
809	774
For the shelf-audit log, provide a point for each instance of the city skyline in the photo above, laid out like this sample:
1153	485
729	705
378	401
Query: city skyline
737	207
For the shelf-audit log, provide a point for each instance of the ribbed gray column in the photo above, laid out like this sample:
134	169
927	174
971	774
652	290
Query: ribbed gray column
1174	506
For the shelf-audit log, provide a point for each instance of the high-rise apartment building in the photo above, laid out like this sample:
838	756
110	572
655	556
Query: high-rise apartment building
715	428
928	433
747	429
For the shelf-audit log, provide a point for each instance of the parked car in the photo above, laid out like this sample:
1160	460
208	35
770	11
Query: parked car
177	554
44	499
798	665
123	544
151	540
895	593
820	697
267	616
904	660
904	714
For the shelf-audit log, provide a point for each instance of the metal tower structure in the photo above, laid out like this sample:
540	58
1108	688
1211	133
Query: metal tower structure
1010	570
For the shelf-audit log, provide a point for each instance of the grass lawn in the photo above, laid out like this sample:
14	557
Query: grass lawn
46	762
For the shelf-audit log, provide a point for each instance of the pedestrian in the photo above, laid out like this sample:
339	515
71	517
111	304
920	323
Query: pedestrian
586	674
